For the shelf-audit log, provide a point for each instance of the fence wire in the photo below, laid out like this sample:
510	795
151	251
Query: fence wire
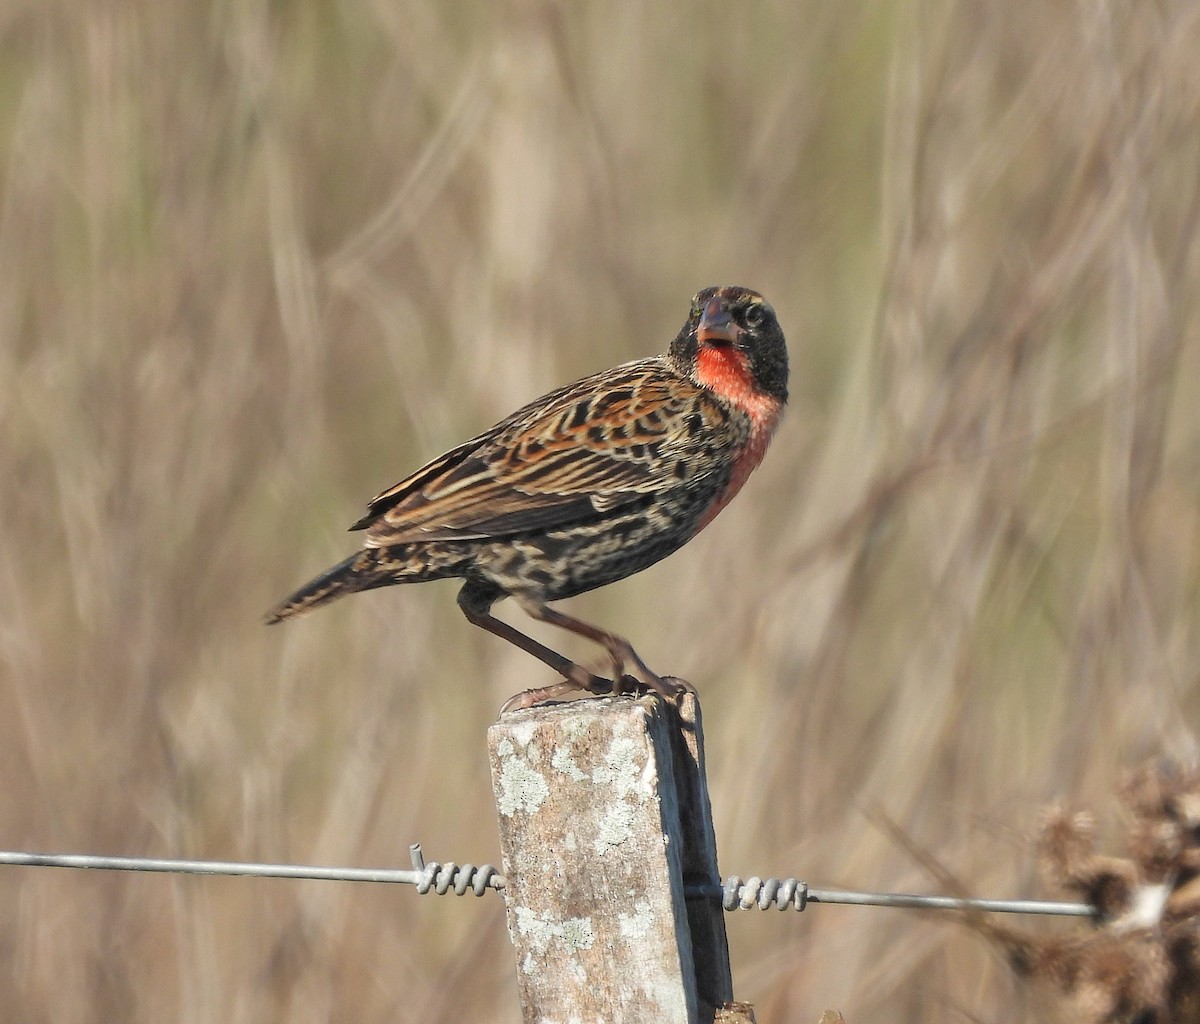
442	878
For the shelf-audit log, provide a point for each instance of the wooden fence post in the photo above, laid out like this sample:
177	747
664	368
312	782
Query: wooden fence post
604	813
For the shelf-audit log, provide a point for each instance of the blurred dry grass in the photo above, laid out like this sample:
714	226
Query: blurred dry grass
257	260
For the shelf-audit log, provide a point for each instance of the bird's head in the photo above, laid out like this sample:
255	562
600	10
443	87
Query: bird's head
732	344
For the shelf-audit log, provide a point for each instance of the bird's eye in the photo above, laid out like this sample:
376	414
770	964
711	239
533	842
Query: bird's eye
754	315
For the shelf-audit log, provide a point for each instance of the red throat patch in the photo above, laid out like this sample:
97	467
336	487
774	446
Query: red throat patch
726	372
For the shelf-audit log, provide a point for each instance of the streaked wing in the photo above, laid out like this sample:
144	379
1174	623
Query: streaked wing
590	447
396	494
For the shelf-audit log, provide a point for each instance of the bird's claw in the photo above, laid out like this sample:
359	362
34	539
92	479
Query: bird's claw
670	688
667	687
531	698
674	688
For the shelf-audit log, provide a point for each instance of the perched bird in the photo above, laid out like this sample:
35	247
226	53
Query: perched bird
582	487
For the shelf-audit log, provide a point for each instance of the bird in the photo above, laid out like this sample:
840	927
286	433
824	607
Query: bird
591	483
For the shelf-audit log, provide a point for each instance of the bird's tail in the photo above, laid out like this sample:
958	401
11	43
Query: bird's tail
364	570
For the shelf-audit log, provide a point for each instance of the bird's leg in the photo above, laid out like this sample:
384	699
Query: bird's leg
476	606
619	649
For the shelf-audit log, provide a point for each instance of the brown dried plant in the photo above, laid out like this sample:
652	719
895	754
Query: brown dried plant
1140	962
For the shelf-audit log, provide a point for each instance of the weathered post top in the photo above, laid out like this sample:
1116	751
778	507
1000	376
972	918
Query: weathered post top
604	814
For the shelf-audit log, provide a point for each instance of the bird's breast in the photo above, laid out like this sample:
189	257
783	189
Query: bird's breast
763	412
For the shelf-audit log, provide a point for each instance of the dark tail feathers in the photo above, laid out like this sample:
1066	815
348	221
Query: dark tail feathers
361	571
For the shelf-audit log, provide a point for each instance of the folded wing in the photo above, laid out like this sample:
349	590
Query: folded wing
592	447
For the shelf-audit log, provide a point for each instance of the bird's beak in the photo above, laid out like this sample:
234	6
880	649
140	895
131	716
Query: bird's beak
716	326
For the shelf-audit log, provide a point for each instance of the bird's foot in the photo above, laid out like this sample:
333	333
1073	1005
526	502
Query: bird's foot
625	684
622	653
578	679
669	688
530	698
674	688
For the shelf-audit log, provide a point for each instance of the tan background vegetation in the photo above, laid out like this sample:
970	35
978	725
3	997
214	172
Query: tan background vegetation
257	260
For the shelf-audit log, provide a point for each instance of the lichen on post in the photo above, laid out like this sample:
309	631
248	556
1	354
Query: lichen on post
595	852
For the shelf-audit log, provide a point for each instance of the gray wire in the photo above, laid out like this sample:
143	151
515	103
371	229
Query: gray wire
899	899
734	894
441	878
782	893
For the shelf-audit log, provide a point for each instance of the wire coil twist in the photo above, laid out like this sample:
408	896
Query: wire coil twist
764	893
441	878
